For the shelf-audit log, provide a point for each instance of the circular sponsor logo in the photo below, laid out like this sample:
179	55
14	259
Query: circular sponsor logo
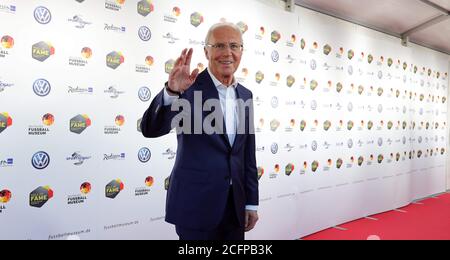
420	139
274	148
380	108
350	107
314	146
144	155
42	87
144	94
350	70
40	160
313	105
274	102
275	56
42	15
144	33
380	141
313	64
350	143
380	74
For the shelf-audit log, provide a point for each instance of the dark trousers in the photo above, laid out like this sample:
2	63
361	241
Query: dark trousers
228	228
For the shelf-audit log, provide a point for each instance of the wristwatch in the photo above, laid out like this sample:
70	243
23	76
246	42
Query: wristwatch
171	91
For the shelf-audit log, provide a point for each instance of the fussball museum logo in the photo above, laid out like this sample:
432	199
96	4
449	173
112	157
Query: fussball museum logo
114	5
114	188
41	51
5	121
7	43
79	123
40	196
5	196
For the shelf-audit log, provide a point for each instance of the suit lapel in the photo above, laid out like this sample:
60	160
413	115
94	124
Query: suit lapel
241	111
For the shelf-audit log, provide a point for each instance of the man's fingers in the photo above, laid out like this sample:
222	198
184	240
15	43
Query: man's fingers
178	61
194	75
189	57
183	56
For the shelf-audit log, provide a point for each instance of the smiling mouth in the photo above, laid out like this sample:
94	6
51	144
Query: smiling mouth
226	62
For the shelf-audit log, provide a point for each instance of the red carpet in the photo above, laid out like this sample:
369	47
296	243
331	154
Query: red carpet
429	220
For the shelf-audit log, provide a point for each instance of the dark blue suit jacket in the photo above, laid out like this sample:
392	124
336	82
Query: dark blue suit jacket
205	164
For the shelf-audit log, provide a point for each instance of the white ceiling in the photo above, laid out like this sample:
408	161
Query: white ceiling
395	17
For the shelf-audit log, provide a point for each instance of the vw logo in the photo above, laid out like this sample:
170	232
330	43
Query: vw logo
144	155
144	94
350	143
41	87
350	70
380	74
380	108
274	102
420	139
380	141
275	56
40	160
314	146
313	64
145	34
42	15
404	140
274	148
313	105
350	107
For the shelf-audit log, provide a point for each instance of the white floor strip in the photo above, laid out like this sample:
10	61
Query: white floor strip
340	228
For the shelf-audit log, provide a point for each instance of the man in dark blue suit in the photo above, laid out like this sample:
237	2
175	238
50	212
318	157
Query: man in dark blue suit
213	190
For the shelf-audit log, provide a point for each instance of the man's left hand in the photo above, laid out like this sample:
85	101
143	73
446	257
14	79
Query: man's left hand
251	217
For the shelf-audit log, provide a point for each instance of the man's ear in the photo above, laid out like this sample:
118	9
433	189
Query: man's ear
206	53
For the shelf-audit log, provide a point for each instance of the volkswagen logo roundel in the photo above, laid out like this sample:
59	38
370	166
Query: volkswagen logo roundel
350	70
41	87
313	64
380	74
42	15
144	155
274	148
145	34
274	102
40	160
314	146
313	105
275	56
350	143
380	142
144	94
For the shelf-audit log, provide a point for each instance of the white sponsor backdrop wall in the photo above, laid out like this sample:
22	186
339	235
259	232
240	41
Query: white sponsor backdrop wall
337	138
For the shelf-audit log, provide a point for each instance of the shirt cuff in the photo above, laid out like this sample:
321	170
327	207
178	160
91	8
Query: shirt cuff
168	99
251	208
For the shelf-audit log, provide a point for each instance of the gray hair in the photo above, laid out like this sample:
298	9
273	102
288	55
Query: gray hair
221	25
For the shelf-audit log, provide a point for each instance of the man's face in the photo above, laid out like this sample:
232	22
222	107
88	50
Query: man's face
224	63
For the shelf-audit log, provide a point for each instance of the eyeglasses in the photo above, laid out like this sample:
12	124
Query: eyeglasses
234	47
